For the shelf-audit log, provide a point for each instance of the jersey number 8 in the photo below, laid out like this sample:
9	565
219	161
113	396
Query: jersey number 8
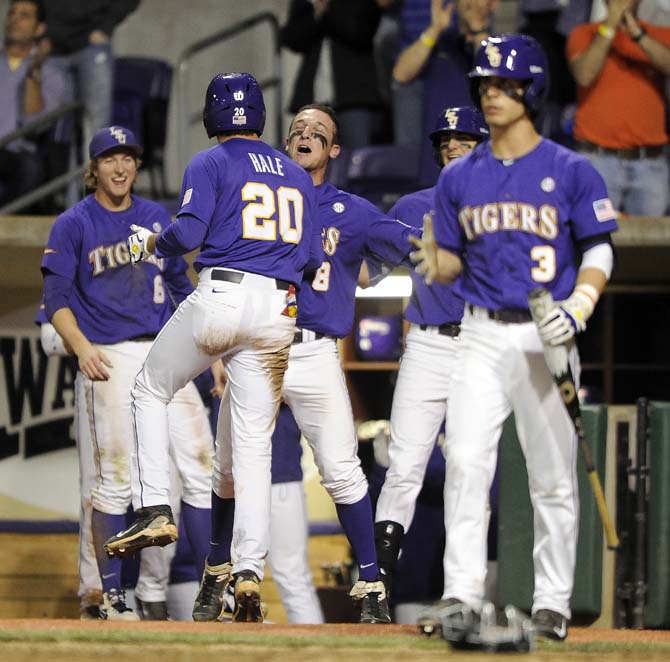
258	217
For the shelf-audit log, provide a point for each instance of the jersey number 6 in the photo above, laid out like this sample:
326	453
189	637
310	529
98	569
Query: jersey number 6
258	217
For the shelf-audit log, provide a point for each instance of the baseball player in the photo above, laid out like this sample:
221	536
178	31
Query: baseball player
314	384
518	213
420	395
250	208
107	313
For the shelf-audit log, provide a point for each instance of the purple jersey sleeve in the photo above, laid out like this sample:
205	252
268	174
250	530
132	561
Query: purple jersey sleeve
257	207
351	230
436	304
518	224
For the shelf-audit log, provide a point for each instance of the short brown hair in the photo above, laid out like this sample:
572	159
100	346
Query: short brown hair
328	110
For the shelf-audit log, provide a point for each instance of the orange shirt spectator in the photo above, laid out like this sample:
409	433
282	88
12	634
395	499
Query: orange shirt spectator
625	105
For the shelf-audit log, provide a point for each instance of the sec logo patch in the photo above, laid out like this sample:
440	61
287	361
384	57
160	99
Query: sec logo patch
548	184
338	207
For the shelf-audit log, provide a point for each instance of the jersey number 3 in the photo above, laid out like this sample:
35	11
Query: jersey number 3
268	209
545	256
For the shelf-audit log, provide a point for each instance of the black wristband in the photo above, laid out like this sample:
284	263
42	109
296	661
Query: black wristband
642	33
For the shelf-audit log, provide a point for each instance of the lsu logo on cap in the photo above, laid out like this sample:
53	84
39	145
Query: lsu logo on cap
452	118
492	52
118	134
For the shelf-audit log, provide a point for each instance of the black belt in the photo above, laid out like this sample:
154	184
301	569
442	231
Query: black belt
236	277
645	151
298	337
146	336
451	330
507	315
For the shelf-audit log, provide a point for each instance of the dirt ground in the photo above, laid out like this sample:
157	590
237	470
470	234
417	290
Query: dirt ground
65	640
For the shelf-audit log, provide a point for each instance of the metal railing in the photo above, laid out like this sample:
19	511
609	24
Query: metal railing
57	183
185	118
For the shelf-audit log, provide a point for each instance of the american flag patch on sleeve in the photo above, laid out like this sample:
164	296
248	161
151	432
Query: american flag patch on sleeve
604	210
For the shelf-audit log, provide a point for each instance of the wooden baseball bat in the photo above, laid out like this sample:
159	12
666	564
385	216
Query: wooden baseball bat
540	302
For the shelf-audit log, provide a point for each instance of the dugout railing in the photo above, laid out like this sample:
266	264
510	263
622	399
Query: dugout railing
61	123
186	118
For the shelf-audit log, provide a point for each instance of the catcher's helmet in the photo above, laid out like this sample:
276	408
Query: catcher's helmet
512	56
233	102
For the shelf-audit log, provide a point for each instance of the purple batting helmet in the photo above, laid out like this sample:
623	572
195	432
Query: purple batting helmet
515	56
234	102
461	119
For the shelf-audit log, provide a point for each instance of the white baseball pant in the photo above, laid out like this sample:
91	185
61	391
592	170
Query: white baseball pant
418	411
502	369
243	324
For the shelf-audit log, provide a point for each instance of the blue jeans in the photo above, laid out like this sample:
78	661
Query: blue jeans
89	75
637	186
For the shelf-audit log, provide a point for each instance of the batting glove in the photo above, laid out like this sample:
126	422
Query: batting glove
568	317
137	244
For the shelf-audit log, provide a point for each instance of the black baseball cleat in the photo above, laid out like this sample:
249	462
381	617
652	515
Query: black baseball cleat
154	526
550	624
370	597
209	603
248	607
151	611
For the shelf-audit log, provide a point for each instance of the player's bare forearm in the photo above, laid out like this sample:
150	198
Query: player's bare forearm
593	277
449	266
92	362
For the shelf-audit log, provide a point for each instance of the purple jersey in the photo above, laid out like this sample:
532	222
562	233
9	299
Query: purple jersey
111	300
352	228
518	224
256	204
436	304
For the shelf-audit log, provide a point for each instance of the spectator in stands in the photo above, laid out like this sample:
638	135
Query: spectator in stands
620	67
338	67
79	37
30	86
550	22
441	57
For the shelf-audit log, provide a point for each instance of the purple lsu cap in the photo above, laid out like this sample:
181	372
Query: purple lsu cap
112	137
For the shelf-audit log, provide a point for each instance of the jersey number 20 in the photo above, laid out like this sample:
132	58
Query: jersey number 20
268	208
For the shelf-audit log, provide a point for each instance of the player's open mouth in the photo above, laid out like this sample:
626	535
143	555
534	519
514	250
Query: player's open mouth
304	149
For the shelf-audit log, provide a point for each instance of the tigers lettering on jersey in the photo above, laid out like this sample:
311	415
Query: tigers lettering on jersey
331	237
114	256
501	216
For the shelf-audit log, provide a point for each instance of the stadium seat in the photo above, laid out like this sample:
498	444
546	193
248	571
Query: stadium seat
141	96
382	173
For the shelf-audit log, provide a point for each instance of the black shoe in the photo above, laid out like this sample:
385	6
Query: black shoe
151	611
209	603
154	526
248	608
388	540
455	613
371	597
550	624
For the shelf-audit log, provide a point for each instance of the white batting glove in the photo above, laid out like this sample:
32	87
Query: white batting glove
137	244
568	317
